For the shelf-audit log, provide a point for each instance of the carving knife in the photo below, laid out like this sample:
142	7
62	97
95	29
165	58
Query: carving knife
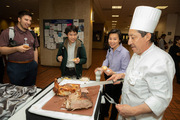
100	83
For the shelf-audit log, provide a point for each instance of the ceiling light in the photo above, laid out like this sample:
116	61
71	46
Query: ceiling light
161	7
115	15
116	7
113	24
10	17
7	6
32	13
114	21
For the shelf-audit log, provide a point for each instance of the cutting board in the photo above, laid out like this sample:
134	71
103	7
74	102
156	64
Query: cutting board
56	103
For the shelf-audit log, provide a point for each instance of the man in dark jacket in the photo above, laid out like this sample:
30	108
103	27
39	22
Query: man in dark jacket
71	54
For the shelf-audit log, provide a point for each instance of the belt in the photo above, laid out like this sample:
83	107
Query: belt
21	61
70	69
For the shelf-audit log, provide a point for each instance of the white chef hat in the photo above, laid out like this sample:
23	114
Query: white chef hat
145	18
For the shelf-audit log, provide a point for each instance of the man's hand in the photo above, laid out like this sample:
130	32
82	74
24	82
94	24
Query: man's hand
115	77
60	58
22	49
128	111
125	110
77	60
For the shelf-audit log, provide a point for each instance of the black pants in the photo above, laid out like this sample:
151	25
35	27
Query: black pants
1	69
22	74
177	72
113	91
70	72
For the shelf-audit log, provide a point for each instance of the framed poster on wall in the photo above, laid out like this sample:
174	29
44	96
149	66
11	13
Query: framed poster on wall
54	31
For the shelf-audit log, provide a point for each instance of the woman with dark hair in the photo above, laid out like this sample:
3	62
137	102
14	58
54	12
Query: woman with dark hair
117	60
71	54
174	51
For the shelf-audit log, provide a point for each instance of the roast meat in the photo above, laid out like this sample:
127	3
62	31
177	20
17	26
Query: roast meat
78	101
66	89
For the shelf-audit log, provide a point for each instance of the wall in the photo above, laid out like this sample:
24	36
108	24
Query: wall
177	33
66	9
168	23
161	27
171	26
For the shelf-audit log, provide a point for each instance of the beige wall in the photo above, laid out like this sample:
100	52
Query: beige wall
178	27
66	9
161	27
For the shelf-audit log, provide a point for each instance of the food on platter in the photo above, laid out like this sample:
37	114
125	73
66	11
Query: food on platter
26	46
84	90
86	79
104	68
77	101
76	97
66	89
74	59
66	78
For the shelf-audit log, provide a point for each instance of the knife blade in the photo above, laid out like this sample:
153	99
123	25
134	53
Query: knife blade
100	83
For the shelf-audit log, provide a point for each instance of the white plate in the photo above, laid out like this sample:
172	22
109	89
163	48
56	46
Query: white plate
37	107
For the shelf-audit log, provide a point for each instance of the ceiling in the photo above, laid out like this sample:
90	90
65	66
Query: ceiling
102	10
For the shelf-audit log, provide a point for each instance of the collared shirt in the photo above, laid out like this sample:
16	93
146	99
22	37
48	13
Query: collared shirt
71	48
117	60
149	79
19	38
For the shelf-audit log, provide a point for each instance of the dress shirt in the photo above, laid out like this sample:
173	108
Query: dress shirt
149	79
71	48
19	39
117	60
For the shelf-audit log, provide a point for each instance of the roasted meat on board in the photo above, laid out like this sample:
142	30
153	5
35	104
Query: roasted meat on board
76	101
76	97
65	90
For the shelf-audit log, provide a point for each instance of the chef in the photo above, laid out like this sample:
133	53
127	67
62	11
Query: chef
147	89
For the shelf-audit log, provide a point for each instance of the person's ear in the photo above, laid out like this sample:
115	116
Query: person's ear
148	36
19	19
119	41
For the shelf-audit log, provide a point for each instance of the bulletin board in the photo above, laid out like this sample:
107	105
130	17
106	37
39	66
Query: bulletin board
54	31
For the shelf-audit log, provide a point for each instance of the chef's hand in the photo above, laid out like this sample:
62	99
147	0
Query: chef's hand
22	49
77	60
109	72
115	77
98	69
125	110
60	58
178	54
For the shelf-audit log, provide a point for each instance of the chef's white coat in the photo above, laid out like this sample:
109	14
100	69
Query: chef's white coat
149	79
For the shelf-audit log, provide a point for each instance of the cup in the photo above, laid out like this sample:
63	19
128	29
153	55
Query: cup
98	75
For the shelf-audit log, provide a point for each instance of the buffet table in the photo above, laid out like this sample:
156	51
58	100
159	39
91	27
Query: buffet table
33	110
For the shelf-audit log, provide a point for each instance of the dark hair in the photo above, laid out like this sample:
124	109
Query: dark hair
25	12
176	39
117	31
71	28
143	33
163	35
